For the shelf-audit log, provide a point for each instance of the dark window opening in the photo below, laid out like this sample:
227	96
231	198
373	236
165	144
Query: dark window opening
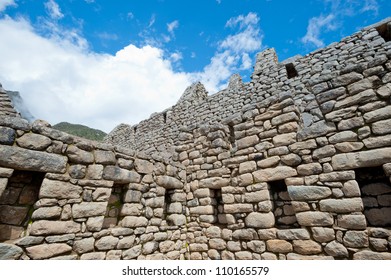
164	117
16	203
384	31
114	206
217	203
282	206
291	71
168	200
135	129
231	135
375	190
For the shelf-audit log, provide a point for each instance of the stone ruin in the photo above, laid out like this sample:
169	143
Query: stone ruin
294	164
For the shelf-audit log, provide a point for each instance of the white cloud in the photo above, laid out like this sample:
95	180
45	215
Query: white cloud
315	27
172	26
108	36
53	10
61	82
61	79
129	15
370	6
243	21
6	3
152	20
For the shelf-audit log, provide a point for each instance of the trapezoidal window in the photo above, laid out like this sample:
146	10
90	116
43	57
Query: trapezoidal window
375	189
282	205
384	31
114	206
16	203
291	70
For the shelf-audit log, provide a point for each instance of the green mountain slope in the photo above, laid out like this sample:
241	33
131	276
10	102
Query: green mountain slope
81	131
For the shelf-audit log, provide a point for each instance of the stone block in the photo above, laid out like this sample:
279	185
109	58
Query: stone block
378	114
47	213
59	190
104	157
236	208
120	175
10	252
34	141
13	215
313	219
293	234
176	219
23	159
45	251
369	158
106	243
168	182
309	169
336	249
356	239
315	130
77	155
93	256
214	183
382	127
322	234
133	222
44	227
273	174
143	166
306	247
257	196
308	193
279	246
352	221
88	209
249	141
379	217
260	220
7	135
346	205
344	136
84	245
369	255
257	246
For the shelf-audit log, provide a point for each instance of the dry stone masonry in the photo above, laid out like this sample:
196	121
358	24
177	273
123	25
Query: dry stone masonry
295	164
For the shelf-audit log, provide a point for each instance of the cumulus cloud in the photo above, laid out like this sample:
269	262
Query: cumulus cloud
64	82
315	28
6	3
62	79
53	9
234	51
338	11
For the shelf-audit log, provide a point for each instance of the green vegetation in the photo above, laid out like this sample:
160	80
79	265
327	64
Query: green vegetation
81	131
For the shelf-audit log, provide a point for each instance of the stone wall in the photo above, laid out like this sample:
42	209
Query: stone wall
295	164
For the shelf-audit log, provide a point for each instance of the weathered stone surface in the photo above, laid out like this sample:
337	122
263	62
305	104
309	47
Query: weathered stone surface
23	159
88	209
169	182
143	166
352	221
326	151
377	115
359	98
45	251
306	247
246	142
369	255
214	183
382	127
344	136
294	256
244	234
257	196
304	193
309	169
347	147
330	94
336	249
293	234
47	213
217	243
95	223
120	175
379	217
84	245
10	252
361	159
59	190
44	227
284	139
93	256
34	141
104	157
246	167
346	205
7	135
312	218
322	234
356	239
279	246
315	130
30	240
126	242
237	208
176	220
260	220
273	174
13	215
133	222
106	243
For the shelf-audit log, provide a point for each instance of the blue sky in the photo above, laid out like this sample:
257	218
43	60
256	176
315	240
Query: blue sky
101	62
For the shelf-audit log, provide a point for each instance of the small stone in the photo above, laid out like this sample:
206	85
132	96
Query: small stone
306	247
279	246
34	141
84	245
10	252
106	243
322	234
45	251
336	249
356	239
304	193
312	218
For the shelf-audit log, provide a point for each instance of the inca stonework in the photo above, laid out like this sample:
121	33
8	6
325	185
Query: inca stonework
295	164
